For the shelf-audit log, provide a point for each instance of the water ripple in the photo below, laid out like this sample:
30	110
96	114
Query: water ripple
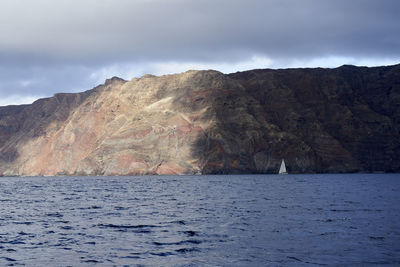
243	220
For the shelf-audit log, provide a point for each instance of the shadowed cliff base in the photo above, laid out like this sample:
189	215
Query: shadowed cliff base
348	116
201	122
318	120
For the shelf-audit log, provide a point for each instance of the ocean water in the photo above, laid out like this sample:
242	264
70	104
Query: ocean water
235	220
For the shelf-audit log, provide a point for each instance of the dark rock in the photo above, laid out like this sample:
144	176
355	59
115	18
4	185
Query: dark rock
319	120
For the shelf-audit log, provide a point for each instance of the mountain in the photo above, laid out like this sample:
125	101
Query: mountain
345	119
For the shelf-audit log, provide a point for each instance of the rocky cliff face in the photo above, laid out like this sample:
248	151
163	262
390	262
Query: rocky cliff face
319	120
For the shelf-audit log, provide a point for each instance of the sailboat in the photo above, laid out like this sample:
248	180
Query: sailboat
282	169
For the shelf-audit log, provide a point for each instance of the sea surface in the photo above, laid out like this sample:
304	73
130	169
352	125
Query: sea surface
224	220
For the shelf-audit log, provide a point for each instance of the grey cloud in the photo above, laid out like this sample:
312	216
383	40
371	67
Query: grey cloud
42	81
63	42
107	30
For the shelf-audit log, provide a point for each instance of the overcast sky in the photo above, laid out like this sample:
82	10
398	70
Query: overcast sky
49	46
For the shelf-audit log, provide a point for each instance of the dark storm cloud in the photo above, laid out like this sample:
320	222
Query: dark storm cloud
64	43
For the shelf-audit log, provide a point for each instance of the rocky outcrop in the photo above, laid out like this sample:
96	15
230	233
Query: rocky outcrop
319	120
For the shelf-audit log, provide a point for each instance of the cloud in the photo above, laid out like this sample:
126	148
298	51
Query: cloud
112	30
255	62
18	99
50	46
131	70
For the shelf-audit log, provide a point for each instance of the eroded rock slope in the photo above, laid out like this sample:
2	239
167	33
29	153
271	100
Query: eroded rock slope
319	120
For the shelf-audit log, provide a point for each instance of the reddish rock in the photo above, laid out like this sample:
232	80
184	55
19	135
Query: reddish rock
319	120
169	169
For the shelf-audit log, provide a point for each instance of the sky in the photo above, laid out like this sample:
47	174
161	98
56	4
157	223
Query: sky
48	46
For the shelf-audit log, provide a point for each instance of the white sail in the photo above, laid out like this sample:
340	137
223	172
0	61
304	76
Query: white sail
282	170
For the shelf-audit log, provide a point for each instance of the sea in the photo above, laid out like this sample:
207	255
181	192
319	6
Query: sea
210	220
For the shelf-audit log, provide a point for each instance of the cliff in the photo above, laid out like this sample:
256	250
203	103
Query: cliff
319	120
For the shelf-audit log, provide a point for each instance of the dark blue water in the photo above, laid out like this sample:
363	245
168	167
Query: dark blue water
247	220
